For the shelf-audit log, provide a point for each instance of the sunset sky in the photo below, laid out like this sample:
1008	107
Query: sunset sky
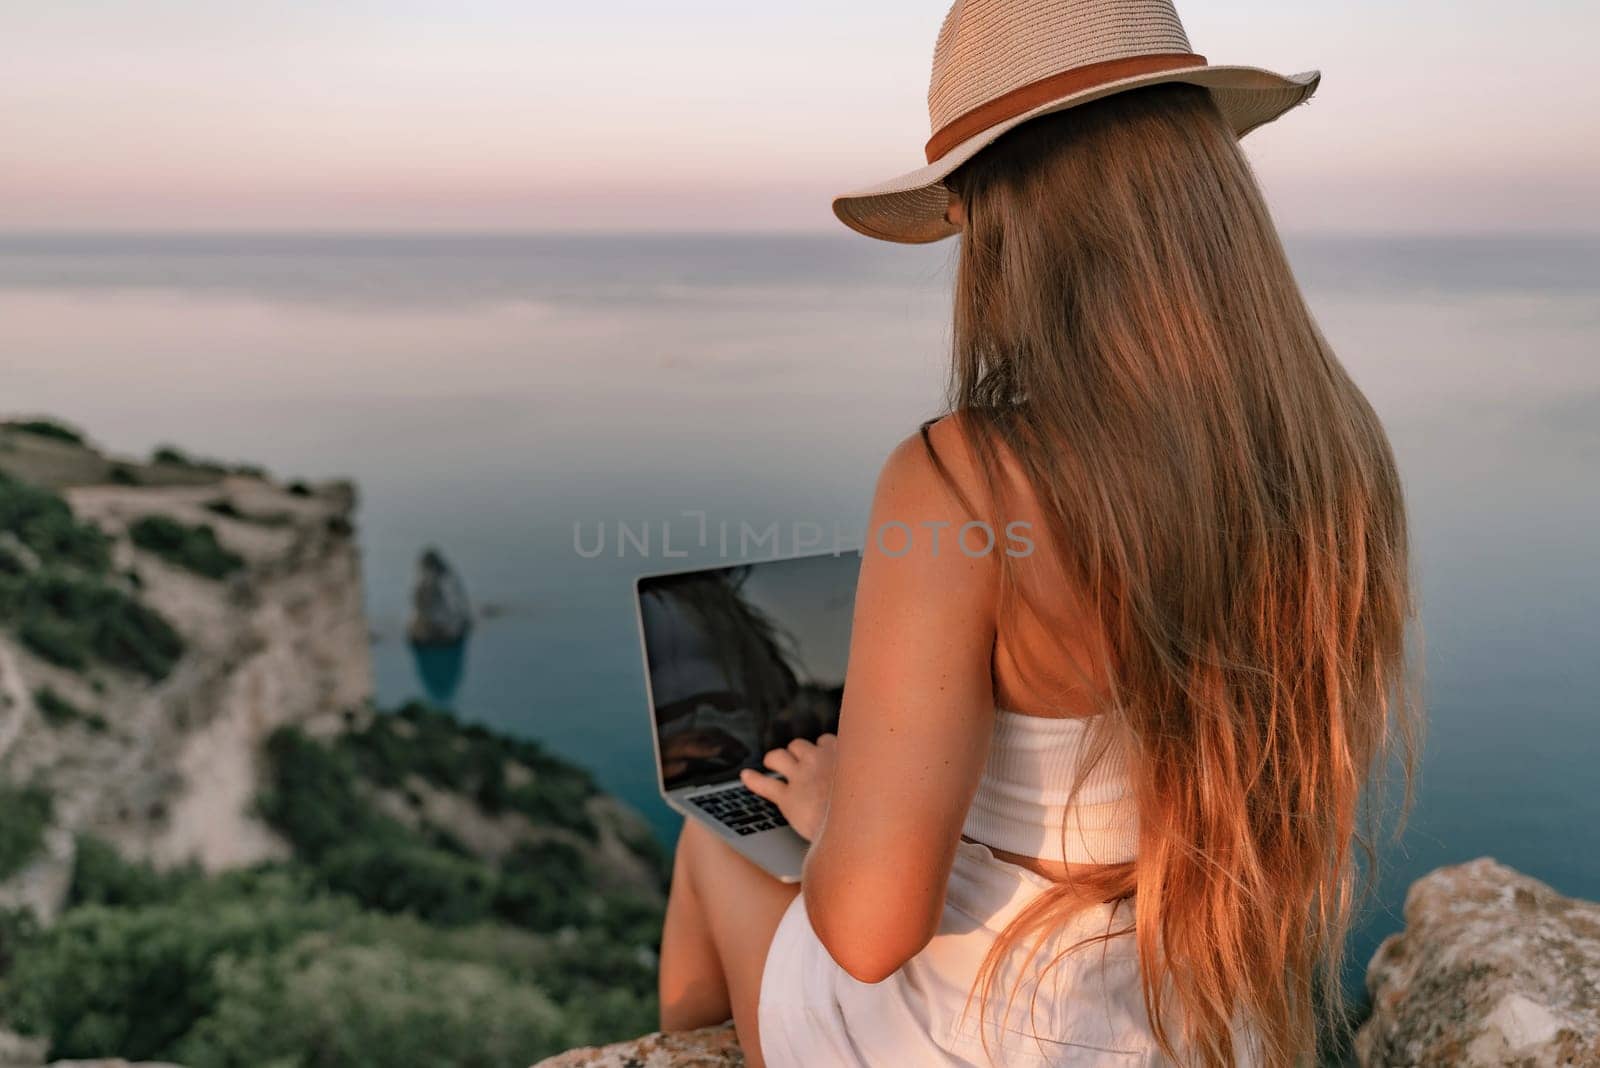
1439	115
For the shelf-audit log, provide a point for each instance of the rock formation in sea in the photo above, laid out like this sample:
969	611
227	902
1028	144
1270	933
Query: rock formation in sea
1493	968
441	614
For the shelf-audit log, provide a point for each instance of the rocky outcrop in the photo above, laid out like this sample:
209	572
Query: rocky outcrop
1493	968
21	1051
440	611
713	1047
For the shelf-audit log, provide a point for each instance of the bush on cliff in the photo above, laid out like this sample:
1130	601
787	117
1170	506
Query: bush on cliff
320	796
100	876
69	619
411	877
172	456
318	1004
210	980
57	711
25	813
194	548
132	982
274	965
43	522
311	797
61	603
48	428
466	758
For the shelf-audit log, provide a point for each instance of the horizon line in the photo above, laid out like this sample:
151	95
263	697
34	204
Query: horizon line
840	233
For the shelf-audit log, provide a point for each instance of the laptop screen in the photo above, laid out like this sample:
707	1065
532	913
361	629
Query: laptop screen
744	659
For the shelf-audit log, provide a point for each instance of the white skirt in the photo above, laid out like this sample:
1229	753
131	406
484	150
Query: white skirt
1088	1010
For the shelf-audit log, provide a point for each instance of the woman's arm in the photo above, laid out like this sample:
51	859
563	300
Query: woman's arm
918	712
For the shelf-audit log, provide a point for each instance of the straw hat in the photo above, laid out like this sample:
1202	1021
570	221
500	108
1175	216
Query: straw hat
999	63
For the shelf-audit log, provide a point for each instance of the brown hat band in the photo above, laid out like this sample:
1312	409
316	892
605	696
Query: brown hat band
1025	98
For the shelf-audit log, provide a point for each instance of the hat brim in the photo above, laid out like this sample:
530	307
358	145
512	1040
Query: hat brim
911	209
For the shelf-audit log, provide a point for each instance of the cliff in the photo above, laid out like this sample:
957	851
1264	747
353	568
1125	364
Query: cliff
1493	968
162	760
214	850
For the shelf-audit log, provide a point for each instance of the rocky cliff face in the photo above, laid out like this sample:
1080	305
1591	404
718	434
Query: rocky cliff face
1493	968
166	769
195	786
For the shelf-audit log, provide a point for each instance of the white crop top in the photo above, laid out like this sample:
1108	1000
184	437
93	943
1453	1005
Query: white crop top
1022	802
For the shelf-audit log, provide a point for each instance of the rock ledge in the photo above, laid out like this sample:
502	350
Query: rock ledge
713	1047
1493	968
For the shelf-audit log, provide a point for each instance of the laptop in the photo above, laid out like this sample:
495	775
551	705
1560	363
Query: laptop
740	660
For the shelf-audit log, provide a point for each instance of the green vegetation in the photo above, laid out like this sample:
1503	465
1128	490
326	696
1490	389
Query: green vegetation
63	603
245	972
60	712
194	548
56	710
101	877
168	454
469	759
71	620
135	980
123	475
42	522
47	428
25	812
381	943
172	456
321	794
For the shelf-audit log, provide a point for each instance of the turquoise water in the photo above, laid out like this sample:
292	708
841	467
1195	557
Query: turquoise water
488	393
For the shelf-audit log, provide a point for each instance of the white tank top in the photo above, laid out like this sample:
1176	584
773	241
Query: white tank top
1022	802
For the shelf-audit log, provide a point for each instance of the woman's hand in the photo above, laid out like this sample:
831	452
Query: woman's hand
803	799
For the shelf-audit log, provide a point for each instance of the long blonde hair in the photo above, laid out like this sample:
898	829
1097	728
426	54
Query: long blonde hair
1130	337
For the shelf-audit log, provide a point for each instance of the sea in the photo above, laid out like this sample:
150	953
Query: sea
518	400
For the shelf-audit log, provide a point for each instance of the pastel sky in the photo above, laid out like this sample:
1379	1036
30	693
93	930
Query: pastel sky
1434	115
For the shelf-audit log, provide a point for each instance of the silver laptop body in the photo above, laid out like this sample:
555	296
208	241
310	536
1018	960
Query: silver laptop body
740	659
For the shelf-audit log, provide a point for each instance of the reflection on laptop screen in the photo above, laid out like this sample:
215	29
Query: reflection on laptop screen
744	659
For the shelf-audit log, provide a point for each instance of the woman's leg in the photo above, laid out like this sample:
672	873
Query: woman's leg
720	921
693	990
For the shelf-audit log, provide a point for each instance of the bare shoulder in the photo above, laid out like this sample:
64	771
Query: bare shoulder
938	469
934	466
934	507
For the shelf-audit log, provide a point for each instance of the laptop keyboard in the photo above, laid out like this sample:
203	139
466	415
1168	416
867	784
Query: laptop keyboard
741	810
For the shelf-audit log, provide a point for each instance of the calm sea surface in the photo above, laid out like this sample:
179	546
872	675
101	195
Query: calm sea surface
489	393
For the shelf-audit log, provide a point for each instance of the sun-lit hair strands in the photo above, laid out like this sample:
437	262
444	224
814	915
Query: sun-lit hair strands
1223	507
